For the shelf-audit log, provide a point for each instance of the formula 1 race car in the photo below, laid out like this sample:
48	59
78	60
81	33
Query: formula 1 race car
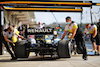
44	45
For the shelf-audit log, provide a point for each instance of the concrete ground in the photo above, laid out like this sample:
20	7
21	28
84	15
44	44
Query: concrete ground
75	61
32	61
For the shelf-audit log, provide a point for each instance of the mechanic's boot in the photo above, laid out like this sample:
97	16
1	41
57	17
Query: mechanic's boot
95	51
14	58
98	54
84	57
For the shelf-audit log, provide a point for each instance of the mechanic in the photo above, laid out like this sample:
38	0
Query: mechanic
98	26
8	38
23	32
73	28
95	37
38	26
15	38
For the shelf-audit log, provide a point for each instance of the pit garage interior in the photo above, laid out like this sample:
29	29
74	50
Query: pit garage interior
19	18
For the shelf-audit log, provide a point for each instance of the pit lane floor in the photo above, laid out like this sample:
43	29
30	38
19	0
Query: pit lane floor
32	61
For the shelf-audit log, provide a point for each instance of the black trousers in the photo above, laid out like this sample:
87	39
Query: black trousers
8	48
96	39
80	42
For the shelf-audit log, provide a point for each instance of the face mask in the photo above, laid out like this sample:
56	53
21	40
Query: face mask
67	23
89	28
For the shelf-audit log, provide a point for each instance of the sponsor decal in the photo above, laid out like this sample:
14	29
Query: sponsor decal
39	31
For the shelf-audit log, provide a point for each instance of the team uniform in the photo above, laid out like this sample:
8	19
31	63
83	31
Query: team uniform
15	38
91	31
70	28
78	37
9	36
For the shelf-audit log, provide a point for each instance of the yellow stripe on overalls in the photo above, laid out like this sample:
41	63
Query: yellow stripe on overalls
15	39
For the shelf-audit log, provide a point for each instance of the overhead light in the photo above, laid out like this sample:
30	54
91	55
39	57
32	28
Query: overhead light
98	4
31	2
52	9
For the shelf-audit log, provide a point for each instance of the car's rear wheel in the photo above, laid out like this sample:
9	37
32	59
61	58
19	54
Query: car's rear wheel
20	49
64	50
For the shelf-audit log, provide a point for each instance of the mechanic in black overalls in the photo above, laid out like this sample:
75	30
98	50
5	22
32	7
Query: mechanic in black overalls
7	38
73	28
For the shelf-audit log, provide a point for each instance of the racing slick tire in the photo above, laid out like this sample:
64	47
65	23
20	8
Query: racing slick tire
64	50
20	49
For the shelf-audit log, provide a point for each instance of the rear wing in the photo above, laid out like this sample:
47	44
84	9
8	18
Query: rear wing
42	31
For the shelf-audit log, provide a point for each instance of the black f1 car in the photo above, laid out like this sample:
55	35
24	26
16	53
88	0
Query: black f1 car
62	48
